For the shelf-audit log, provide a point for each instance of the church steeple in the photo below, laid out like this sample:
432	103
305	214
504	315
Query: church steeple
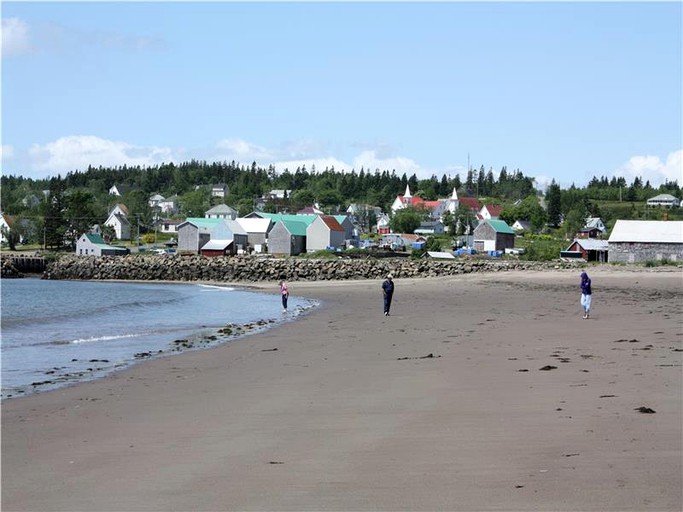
407	194
453	202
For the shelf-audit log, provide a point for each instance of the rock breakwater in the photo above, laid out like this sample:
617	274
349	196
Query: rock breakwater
255	269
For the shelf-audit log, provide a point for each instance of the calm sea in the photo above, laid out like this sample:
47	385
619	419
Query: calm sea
55	333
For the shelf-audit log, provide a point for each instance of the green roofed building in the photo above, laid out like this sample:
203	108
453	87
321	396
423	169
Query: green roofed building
94	245
288	238
493	235
308	218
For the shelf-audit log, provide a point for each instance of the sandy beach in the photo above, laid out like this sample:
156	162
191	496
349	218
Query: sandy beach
479	392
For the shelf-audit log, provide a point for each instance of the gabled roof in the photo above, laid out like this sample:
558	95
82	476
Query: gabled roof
331	223
494	209
235	227
295	228
254	224
500	226
99	242
653	231
202	223
524	224
121	218
221	208
121	207
591	244
471	202
593	222
305	218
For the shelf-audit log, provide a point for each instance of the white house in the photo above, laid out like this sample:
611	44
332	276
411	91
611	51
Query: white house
169	205
121	209
118	190
5	222
93	245
221	211
665	200
490	211
120	224
279	194
220	190
169	225
383	224
595	223
521	225
154	200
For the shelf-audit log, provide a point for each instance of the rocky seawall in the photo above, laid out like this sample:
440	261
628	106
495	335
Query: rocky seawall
255	269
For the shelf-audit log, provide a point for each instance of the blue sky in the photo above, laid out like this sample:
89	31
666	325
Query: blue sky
560	91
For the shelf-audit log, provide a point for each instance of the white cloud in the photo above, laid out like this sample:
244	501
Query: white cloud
77	152
651	168
242	151
320	163
371	161
15	37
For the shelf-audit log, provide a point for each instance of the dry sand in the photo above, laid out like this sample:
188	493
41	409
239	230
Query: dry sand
348	414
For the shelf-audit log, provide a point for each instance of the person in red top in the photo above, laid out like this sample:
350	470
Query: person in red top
285	295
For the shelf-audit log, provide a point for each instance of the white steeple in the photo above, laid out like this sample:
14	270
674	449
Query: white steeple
407	194
453	202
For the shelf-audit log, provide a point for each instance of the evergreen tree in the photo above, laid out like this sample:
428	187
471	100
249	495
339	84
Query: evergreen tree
55	224
554	201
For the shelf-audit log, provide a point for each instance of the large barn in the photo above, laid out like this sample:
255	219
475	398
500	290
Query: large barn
637	241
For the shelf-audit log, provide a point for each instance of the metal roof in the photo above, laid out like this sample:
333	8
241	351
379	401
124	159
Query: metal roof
657	231
294	227
500	226
216	245
254	224
591	244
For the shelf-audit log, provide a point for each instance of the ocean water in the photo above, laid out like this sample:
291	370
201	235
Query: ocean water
56	333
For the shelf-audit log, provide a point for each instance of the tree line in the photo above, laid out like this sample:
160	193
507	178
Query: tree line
57	210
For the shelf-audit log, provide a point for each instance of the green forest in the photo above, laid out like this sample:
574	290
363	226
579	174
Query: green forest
56	211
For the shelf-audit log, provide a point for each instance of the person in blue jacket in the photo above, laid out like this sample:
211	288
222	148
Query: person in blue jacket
388	292
586	295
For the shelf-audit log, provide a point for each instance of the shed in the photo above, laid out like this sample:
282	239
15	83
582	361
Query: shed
288	237
637	241
257	230
493	235
214	248
194	233
325	231
439	255
587	249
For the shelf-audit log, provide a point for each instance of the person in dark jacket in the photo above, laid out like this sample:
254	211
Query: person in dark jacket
586	295
388	292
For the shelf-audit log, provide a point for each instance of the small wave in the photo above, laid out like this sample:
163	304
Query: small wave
212	287
99	338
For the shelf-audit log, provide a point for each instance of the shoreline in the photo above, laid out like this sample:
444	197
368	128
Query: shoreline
350	413
203	338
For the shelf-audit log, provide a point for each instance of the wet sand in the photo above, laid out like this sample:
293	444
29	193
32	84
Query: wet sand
479	392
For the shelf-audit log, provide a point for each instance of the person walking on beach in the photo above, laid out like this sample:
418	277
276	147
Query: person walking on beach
586	295
388	292
285	295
